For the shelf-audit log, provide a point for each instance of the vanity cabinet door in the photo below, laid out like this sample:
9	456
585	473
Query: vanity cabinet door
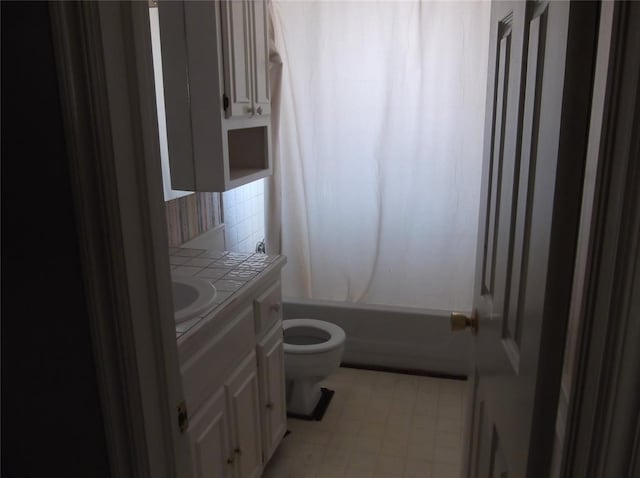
210	442
244	413
272	390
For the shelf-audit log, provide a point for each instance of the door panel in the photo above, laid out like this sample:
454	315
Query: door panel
512	327
497	149
535	129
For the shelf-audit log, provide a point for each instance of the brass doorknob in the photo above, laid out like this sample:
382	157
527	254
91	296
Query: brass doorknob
460	322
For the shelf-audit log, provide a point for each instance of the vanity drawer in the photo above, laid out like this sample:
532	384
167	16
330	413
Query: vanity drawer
267	308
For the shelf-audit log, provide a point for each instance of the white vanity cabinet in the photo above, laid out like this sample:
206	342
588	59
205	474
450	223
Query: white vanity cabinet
232	366
215	66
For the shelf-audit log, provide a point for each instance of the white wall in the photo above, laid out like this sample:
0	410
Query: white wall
243	216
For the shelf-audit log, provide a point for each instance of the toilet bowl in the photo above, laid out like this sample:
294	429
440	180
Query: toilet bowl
312	350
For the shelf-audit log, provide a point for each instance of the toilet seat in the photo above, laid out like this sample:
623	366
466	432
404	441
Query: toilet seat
336	336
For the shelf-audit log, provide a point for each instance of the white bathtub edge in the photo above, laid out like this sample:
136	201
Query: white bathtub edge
392	337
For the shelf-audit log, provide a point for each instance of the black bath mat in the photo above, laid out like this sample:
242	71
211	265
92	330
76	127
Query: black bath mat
325	398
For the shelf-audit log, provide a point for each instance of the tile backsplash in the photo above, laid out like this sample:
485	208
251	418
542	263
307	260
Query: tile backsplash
241	209
243	212
192	215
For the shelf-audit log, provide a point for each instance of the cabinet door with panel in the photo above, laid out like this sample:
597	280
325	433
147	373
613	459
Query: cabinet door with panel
210	442
260	37
244	413
237	41
245	30
272	390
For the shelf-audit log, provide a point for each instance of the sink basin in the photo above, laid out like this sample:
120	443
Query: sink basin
191	297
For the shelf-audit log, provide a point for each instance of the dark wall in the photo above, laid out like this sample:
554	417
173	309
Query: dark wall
52	423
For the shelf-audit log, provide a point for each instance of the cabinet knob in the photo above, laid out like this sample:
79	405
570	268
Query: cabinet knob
259	110
275	307
270	405
237	451
230	460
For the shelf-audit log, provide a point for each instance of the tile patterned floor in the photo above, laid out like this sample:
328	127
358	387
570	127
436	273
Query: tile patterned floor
379	425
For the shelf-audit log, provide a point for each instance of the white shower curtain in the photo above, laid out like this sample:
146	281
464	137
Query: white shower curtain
380	148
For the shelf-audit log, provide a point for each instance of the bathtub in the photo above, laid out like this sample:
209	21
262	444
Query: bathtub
389	337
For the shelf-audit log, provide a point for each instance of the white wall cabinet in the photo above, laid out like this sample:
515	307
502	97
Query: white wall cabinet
246	58
233	379
215	66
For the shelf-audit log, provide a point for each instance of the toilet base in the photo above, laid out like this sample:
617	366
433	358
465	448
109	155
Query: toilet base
307	401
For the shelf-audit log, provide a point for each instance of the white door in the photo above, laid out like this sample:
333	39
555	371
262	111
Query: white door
244	413
540	70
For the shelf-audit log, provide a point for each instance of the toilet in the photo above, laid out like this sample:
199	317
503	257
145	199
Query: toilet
312	350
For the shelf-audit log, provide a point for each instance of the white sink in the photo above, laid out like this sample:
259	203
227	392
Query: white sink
191	297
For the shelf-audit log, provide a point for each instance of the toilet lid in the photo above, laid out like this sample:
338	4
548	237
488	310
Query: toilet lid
335	333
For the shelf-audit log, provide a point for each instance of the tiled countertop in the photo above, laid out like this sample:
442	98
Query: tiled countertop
229	272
